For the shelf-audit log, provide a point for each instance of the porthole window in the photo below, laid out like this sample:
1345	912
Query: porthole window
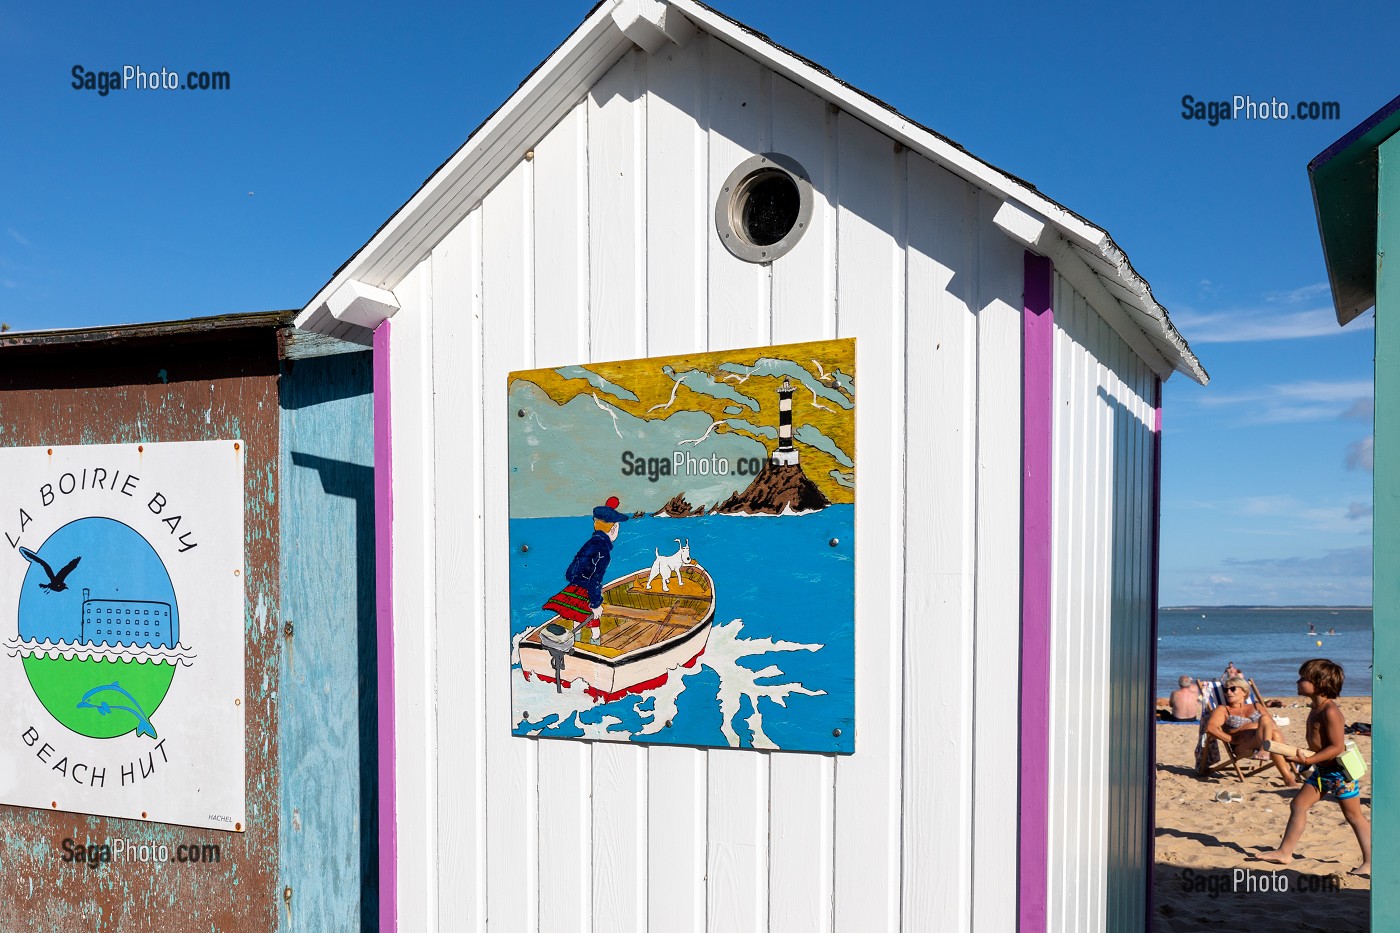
764	207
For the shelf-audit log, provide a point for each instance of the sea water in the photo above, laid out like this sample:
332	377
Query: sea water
778	668
1266	643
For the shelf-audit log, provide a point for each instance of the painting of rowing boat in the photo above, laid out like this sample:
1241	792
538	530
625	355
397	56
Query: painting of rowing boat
682	535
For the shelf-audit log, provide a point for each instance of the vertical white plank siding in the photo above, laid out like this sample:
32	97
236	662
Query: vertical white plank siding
1102	602
940	542
458	452
739	315
997	639
603	247
560	285
801	797
617	119
870	307
677	245
415	644
512	803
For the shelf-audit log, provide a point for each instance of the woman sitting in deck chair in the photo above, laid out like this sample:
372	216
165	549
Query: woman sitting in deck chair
1244	727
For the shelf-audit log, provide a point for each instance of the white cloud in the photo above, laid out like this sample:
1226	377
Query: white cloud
16	236
1301	295
1292	515
1347	562
1361	454
1301	312
1363	409
1290	403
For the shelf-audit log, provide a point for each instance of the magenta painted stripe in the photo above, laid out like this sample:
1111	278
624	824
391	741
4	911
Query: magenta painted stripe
1149	829
384	620
1037	439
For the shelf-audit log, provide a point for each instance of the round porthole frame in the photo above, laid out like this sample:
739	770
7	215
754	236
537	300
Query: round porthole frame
729	207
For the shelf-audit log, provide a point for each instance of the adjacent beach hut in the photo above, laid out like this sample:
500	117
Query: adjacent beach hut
1356	190
1010	363
299	407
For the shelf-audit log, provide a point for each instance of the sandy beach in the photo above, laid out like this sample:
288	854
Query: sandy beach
1204	875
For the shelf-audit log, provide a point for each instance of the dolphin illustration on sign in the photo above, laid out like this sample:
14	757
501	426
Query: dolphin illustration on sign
143	724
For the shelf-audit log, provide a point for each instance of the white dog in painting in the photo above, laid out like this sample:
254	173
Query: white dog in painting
667	564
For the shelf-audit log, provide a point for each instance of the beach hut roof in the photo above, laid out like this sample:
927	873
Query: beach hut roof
606	34
1343	180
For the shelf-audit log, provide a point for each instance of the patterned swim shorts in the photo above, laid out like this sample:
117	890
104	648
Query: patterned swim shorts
1334	782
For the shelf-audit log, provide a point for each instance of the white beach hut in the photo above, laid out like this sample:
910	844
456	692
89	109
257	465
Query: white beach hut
1012	362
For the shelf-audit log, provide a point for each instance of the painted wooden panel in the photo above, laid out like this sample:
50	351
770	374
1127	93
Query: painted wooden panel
512	800
940	541
737	114
413	546
617	127
560	274
870	307
462	655
677	244
1102	603
1385	536
801	789
997	638
190	387
328	741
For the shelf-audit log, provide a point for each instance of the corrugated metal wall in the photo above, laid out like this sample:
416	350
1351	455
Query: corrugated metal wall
602	247
1101	676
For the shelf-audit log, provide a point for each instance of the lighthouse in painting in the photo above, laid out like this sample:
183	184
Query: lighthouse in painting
786	454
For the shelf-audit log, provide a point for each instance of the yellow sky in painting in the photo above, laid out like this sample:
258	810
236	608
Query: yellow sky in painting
725	386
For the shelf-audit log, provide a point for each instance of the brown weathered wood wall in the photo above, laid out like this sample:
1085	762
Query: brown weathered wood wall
150	385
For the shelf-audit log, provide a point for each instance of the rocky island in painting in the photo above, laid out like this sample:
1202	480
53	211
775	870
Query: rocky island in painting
682	549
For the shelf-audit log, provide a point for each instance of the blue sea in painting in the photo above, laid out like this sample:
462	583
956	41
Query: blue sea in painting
778	669
1267	643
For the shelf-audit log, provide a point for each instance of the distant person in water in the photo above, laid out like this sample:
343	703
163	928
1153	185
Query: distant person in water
1246	726
1185	702
582	600
1231	671
1321	681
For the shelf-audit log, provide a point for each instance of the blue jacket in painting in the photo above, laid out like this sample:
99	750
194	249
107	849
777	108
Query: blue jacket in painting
590	565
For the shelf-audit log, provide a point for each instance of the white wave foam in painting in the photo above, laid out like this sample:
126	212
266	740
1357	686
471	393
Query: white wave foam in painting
141	654
540	707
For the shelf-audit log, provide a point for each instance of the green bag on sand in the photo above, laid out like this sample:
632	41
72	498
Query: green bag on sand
1352	762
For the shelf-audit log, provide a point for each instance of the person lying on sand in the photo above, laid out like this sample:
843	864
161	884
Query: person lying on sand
1321	681
1246	726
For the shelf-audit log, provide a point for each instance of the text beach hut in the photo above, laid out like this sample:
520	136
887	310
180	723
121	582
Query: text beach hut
1010	366
141	422
1356	190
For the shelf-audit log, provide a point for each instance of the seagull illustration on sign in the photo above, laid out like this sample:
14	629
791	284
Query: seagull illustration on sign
143	724
56	582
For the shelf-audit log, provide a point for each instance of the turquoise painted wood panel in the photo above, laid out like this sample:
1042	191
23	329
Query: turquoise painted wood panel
328	743
1385	790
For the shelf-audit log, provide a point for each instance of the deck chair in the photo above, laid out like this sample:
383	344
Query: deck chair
1213	755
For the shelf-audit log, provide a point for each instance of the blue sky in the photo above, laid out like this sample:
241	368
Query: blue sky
143	206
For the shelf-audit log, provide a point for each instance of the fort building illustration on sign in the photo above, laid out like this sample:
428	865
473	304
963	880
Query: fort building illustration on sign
682	549
121	679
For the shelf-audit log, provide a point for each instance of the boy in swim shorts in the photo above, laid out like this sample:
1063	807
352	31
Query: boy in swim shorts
1321	681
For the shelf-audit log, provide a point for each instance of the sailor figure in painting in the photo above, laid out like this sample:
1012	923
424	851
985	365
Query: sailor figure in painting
582	600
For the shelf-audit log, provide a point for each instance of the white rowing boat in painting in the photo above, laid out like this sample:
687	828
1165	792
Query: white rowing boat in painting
645	633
